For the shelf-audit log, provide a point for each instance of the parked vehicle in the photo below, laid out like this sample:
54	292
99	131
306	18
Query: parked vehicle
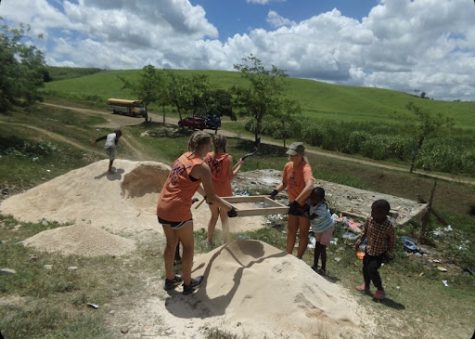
208	122
133	108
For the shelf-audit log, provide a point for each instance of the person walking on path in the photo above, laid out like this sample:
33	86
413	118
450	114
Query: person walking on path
112	139
379	232
297	178
223	172
187	174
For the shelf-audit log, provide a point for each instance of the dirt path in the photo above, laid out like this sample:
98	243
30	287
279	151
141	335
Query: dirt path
54	136
116	118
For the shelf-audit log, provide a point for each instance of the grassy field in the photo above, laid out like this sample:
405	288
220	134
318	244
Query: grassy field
319	101
53	303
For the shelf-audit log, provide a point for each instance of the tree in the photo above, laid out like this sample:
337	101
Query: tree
261	98
286	117
178	92
426	125
22	68
147	87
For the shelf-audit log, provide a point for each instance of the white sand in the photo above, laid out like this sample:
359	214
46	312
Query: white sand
83	240
254	290
123	203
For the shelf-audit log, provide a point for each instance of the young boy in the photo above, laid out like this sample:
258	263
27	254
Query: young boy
322	225
110	145
379	232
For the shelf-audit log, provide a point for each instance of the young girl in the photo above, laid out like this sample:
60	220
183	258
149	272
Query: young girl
188	172
222	172
297	178
322	225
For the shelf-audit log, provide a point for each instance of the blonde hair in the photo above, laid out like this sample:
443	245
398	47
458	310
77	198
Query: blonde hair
198	139
219	142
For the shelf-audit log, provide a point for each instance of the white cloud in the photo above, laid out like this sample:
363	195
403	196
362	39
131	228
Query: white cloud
276	20
401	44
263	2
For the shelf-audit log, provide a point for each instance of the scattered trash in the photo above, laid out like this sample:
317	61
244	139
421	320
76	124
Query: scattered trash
48	267
95	306
48	170
350	236
112	312
311	242
334	241
72	268
421	274
35	159
398	287
437	261
446	284
409	244
337	259
417	254
448	228
360	254
441	269
7	271
44	222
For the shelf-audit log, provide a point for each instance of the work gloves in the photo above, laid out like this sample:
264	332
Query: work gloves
273	194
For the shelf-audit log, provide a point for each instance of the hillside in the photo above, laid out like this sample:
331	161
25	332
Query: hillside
319	101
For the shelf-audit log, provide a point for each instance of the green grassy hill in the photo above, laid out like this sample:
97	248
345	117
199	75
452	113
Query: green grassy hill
319	100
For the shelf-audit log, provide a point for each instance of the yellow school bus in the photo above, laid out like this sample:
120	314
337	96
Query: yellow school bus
133	108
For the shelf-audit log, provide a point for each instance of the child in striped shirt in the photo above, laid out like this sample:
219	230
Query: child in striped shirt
322	225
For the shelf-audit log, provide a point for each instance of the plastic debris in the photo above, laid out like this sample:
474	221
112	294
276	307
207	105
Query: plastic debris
445	282
350	236
337	259
94	306
311	242
437	261
48	267
7	271
441	269
409	244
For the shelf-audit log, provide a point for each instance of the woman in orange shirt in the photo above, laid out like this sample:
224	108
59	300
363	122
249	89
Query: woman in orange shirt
188	172
222	172
297	178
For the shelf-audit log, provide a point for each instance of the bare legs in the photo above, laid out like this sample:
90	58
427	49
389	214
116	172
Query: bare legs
302	225
185	236
222	214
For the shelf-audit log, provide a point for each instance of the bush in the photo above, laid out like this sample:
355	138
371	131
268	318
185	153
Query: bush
312	135
355	142
375	147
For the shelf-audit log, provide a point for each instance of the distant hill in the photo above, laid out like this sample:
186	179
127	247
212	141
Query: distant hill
319	101
63	73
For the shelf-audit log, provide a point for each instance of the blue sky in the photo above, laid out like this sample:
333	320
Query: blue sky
238	16
405	45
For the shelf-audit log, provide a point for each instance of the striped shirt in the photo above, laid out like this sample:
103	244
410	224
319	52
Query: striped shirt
381	237
320	217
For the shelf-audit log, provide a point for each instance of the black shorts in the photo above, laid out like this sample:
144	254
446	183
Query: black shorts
175	225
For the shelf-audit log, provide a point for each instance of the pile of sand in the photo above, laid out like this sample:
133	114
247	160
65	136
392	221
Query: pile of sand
270	294
83	240
122	203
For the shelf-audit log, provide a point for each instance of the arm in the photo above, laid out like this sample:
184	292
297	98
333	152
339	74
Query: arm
100	138
303	196
362	236
204	173
391	241
235	169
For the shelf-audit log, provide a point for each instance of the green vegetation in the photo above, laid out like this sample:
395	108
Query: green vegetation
319	101
22	68
62	73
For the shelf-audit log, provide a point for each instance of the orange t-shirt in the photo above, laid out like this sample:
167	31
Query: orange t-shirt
174	203
294	178
220	165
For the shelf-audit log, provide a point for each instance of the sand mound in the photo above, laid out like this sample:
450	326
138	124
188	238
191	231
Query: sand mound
122	203
83	240
271	294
